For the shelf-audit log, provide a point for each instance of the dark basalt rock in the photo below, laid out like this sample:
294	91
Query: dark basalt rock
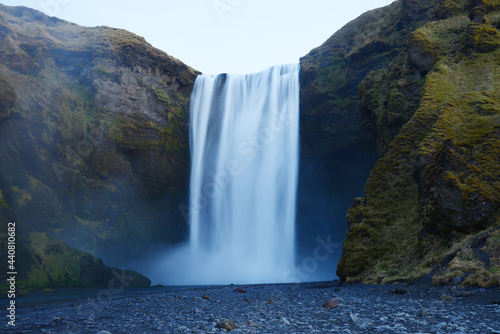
445	204
477	14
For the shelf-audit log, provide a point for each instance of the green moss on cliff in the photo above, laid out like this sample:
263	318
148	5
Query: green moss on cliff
3	202
7	97
46	263
331	74
99	134
426	194
446	8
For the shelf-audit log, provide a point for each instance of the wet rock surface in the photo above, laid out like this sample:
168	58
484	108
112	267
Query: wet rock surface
297	309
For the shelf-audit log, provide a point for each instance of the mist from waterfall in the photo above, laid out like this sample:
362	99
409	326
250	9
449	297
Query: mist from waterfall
244	135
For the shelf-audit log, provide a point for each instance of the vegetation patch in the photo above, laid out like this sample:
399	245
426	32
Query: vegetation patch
425	186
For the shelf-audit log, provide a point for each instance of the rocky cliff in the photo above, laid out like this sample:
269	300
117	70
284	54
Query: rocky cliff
94	143
94	147
423	78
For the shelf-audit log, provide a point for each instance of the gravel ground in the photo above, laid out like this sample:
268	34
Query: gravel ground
284	308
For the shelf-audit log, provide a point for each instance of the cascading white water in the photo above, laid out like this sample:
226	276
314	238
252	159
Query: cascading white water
244	136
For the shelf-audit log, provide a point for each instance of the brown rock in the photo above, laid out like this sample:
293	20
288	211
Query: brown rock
465	294
446	297
240	290
477	14
270	301
332	303
227	325
205	297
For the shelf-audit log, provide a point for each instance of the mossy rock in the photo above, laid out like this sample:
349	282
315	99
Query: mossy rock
7	98
447	8
474	261
45	263
440	167
388	98
100	136
448	202
482	37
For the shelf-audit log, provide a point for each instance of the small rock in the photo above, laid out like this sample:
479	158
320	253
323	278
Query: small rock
270	301
424	312
182	329
104	332
446	297
208	327
477	14
285	320
227	325
442	325
465	294
399	291
205	297
332	303
252	324
240	290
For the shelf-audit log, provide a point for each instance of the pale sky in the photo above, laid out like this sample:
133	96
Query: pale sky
215	36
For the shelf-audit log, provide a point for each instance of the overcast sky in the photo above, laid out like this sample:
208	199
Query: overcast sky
214	36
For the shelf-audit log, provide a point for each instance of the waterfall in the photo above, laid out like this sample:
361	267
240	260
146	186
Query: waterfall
244	135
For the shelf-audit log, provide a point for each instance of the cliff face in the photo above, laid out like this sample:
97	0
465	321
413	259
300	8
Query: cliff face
340	139
94	146
431	204
331	116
